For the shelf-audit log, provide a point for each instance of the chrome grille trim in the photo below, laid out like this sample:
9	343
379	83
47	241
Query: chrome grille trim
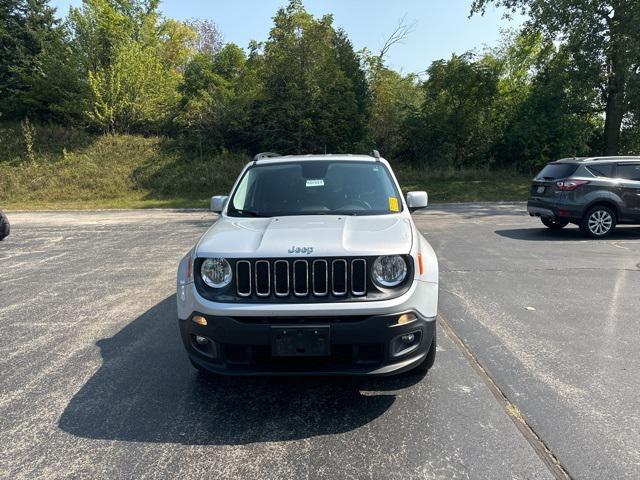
241	294
279	278
326	278
275	279
333	276
306	269
359	293
255	274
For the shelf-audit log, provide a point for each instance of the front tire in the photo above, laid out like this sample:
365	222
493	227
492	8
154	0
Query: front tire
599	222
5	227
554	224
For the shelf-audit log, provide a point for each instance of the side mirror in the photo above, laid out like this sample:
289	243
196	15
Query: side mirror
417	200
218	203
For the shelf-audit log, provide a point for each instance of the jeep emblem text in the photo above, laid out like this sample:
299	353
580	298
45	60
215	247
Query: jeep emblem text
307	250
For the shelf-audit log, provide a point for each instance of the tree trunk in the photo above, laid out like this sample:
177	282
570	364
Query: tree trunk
615	108
614	113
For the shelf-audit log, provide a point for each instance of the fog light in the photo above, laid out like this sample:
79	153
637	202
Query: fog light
406	318
200	320
201	340
408	339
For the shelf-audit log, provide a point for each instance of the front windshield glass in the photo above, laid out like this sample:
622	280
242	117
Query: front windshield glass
316	188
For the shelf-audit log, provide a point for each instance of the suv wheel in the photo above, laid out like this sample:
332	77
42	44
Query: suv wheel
4	227
599	222
554	224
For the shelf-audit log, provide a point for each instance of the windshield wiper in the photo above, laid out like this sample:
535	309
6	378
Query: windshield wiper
249	213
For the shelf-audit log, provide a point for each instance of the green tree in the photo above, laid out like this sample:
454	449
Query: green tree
455	125
217	95
308	102
55	86
394	98
397	97
229	61
133	60
134	93
604	39
553	120
352	66
27	28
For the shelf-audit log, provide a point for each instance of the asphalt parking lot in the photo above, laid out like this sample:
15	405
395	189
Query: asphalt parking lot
536	372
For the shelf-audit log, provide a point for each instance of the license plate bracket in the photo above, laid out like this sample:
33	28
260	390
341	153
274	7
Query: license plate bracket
301	341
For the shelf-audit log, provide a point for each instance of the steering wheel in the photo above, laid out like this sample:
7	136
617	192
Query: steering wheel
355	202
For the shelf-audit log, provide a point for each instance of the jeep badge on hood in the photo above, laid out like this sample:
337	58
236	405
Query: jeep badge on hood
307	250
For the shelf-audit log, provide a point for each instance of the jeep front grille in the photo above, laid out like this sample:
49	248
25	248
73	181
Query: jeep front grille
300	278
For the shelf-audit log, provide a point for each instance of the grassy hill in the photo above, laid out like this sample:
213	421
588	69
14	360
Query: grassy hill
62	168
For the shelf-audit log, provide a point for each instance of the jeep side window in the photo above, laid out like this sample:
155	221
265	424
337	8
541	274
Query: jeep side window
630	171
602	170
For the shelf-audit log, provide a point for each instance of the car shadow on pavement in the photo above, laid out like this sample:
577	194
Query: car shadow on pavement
566	234
146	391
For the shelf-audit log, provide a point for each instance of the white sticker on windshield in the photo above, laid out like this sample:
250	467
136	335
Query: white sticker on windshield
315	183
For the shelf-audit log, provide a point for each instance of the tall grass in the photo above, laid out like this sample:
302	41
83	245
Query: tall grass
83	170
469	185
56	167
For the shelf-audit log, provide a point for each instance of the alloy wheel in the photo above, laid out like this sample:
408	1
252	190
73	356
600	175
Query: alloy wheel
600	222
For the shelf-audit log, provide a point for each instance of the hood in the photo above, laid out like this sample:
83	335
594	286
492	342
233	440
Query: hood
301	236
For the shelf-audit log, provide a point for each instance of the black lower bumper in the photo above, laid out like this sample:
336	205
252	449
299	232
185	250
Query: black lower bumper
554	211
370	345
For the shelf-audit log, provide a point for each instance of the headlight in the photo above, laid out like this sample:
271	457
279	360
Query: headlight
216	272
389	271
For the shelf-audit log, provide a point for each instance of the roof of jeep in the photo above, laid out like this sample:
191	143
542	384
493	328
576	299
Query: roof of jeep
628	158
326	157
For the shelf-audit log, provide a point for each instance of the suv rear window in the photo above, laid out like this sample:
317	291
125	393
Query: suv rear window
629	172
602	169
554	171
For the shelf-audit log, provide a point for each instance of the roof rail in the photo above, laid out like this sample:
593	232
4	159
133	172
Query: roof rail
264	155
375	154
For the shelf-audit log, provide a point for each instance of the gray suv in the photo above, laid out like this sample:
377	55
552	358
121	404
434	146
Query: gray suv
594	193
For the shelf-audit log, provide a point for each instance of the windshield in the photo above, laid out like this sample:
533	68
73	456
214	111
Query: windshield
316	188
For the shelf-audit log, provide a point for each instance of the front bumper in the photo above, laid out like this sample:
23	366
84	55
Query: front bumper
359	345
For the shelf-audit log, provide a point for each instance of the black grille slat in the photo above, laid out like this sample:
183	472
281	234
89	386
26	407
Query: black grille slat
339	277
301	277
281	278
320	278
358	277
263	278
243	278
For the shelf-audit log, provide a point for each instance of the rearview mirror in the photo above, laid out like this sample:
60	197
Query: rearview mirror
417	200
218	203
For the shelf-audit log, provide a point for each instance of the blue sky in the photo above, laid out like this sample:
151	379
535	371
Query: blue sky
442	26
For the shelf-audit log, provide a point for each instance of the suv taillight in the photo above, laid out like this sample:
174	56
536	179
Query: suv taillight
568	185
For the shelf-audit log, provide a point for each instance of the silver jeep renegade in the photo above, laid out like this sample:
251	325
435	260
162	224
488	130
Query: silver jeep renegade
314	267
